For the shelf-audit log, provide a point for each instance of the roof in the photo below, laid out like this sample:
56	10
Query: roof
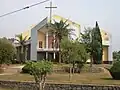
105	35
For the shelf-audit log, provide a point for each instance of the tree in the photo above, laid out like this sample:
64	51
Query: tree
7	51
40	70
73	52
60	29
22	42
86	39
116	55
97	44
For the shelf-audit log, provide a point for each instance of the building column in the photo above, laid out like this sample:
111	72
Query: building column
110	57
33	53
47	45
54	47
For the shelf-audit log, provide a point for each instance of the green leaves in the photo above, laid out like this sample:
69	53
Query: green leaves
92	40
73	51
97	45
116	55
7	51
86	39
115	67
20	39
60	29
40	67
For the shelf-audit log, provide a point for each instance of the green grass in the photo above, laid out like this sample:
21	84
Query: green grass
83	78
4	89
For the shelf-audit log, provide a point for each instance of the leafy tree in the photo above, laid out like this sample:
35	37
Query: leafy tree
97	44
116	55
22	42
73	53
115	70
7	51
60	29
86	39
40	70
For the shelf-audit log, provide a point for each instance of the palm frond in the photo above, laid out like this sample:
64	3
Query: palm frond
19	36
20	39
24	39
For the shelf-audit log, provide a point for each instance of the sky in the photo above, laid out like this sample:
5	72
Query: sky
84	12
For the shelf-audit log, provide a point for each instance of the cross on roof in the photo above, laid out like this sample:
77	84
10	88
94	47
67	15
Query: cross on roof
50	7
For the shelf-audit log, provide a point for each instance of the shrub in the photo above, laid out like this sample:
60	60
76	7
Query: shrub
39	70
115	70
7	51
26	68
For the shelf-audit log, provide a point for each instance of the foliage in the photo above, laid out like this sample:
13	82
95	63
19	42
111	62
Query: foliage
7	51
115	67
92	40
87	40
116	55
73	52
40	70
115	70
60	29
26	68
97	45
21	40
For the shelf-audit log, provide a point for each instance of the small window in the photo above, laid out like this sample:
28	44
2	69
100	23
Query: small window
40	44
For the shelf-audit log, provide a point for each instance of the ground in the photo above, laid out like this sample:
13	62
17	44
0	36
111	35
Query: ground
12	73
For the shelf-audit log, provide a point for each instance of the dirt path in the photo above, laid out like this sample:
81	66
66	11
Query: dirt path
12	70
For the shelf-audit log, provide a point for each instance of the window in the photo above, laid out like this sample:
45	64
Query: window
40	44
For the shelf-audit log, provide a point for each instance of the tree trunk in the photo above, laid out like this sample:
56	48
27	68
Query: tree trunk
91	62
25	55
22	53
59	51
40	86
70	74
43	83
73	69
59	56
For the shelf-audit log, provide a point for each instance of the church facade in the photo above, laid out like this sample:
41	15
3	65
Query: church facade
40	40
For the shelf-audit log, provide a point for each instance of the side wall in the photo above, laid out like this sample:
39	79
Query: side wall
105	54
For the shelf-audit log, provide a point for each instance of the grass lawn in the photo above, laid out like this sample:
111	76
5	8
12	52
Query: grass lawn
83	78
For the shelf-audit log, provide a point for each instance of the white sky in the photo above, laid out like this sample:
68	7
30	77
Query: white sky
85	12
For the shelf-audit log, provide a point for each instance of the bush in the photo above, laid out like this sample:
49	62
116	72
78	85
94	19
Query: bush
115	70
39	70
26	68
7	51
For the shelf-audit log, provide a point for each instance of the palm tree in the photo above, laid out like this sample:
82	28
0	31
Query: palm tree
60	29
21	41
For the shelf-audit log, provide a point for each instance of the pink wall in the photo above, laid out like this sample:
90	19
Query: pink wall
50	40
